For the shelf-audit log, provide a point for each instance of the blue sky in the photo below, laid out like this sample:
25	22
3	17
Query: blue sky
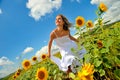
25	25
18	30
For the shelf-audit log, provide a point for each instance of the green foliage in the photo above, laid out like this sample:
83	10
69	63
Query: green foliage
108	56
58	55
30	74
117	73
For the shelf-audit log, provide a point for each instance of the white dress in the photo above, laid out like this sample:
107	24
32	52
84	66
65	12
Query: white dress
65	44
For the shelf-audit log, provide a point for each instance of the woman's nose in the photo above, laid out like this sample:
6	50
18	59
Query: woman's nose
57	20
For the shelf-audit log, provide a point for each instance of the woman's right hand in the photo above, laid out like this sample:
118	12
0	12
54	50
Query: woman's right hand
48	55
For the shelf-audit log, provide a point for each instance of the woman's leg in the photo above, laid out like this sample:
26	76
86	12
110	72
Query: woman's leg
69	69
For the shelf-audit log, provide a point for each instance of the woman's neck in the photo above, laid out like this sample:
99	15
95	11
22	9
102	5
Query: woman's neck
59	28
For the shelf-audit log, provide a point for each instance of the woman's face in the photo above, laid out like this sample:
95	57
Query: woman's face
59	21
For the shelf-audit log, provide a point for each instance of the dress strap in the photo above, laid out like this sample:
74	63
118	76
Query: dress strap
55	33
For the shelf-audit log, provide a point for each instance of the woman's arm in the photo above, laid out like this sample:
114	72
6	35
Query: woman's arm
50	44
72	38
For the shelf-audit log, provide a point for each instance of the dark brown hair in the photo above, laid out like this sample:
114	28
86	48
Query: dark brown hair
67	24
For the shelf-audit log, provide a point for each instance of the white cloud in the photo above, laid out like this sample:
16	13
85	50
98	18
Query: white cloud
0	11
7	69
17	57
44	49
28	49
5	61
113	12
39	8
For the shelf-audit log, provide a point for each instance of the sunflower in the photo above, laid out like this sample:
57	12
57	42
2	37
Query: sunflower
86	72
17	73
99	43
88	68
26	64
80	21
14	77
89	24
103	7
43	56
83	77
19	70
42	74
34	58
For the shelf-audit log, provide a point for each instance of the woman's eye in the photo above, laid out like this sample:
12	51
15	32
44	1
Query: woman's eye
59	20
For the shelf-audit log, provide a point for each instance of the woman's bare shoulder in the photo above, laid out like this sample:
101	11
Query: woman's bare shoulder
52	33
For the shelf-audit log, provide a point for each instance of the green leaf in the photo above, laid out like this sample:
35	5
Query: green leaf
59	78
104	50
76	33
71	75
117	73
113	50
97	62
28	78
87	44
117	60
77	27
96	53
102	72
109	42
87	57
118	56
55	77
54	72
116	30
107	65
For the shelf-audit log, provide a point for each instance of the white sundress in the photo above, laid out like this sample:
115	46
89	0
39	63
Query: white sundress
65	44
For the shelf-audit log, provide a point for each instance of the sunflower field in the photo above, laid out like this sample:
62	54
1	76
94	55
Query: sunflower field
101	62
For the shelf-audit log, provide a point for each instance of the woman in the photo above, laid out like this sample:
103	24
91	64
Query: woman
61	35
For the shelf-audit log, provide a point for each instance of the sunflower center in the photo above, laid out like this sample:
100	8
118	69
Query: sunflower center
43	56
41	75
34	58
19	70
79	22
103	7
27	64
14	77
100	44
18	73
89	24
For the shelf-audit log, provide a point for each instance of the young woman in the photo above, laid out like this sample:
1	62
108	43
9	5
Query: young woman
61	35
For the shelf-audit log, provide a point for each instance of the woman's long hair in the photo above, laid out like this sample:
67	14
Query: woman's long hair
67	24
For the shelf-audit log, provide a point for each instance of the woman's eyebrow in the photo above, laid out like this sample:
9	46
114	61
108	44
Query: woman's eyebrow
58	18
